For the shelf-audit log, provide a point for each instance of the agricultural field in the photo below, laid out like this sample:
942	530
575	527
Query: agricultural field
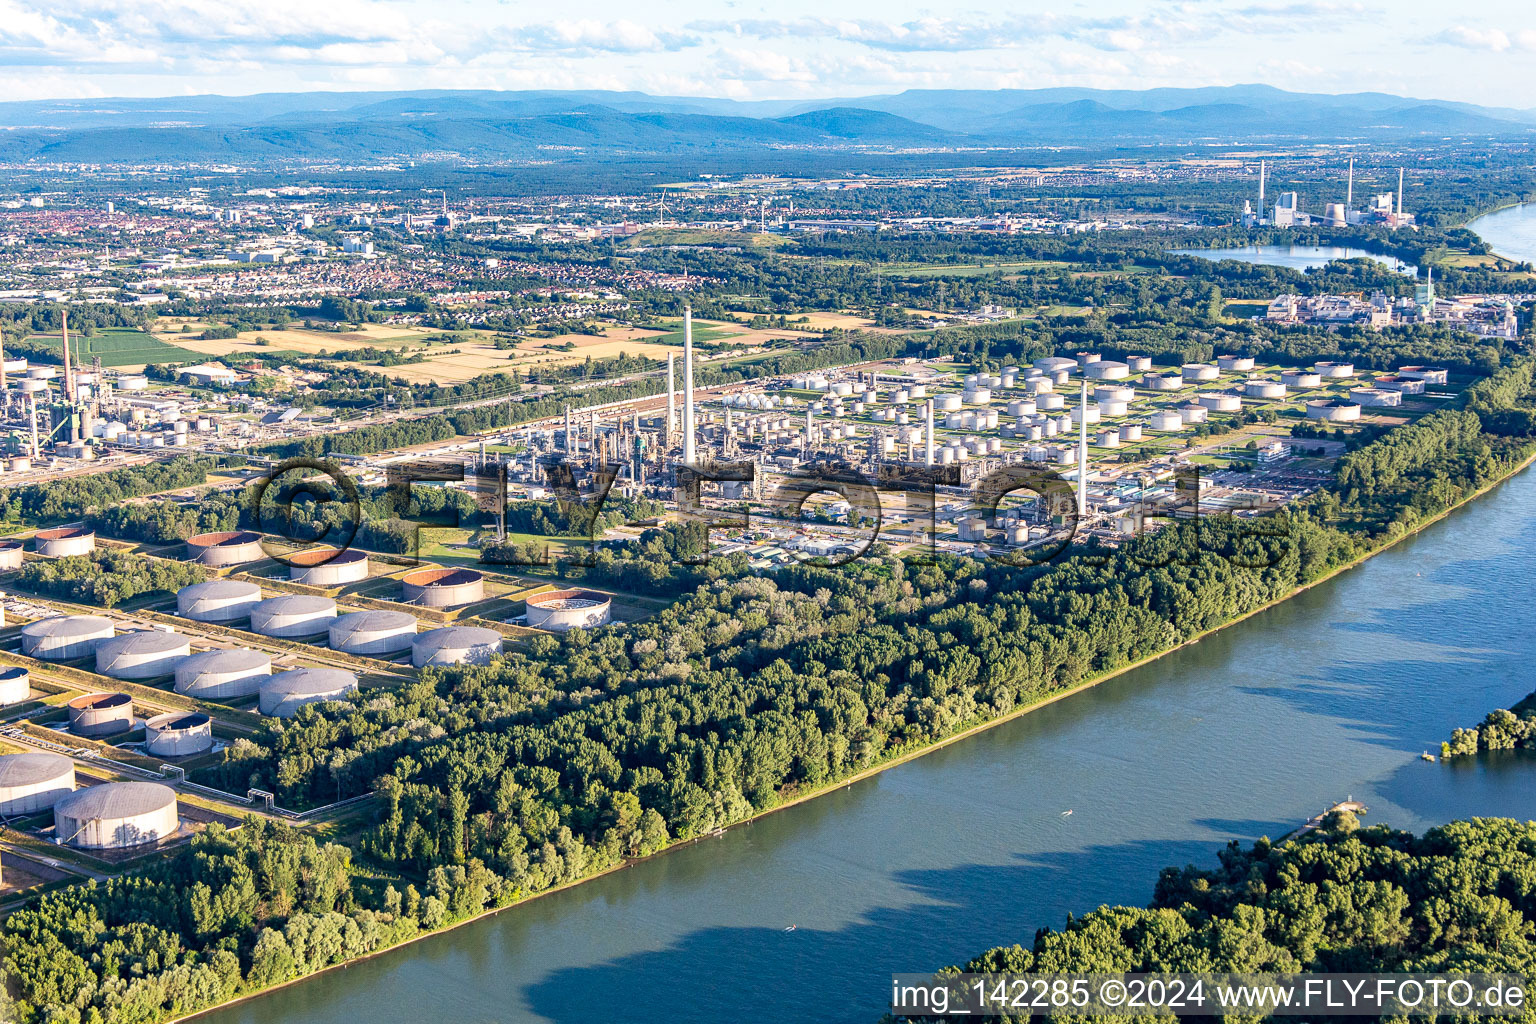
169	330
118	347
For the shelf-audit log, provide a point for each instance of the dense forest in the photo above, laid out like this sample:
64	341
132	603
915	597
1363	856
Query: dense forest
106	578
1510	729
72	497
1461	897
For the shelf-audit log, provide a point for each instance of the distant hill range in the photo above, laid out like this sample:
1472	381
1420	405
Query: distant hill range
482	125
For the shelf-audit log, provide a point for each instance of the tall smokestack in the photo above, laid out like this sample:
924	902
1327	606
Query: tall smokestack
1082	456
1349	192
666	435
570	438
69	376
688	453
1261	191
1399	191
809	426
928	435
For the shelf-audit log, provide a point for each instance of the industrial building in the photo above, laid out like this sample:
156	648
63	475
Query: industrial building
373	632
455	645
145	654
328	567
116	815
443	588
216	550
292	615
34	782
65	540
223	674
100	714
218	600
282	695
178	734
561	610
64	637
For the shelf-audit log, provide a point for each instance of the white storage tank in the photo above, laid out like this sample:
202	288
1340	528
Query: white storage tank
1264	389
1194	413
1139	364
234	547
1334	371
1166	420
32	782
144	654
1172	380
1080	415
978	396
1428	374
116	815
1114	393
1376	397
328	567
292	615
1219	401
218	600
282	695
1037	385
1106	369
15	685
454	645
178	734
1054	364
65	540
1200	371
1234	364
1047	402
100	714
12	554
223	674
568	609
1130	432
443	588
64	637
373	632
1113	407
1109	439
1301	378
132	382
1336	410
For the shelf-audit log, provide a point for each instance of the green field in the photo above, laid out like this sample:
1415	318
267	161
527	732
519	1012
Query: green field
118	346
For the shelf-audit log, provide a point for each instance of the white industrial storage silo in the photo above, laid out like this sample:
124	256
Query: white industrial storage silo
1194	413
328	567
1047	402
1130	432
1114	393
1139	364
143	654
1264	389
1337	410
443	588
453	645
178	734
232	547
1165	420
1378	397
1053	364
373	632
116	815
1234	363
223	674
1112	407
15	685
217	600
1107	369
32	782
292	615
12	554
1301	378
63	637
1219	401
1170	380
100	714
1334	371
282	695
65	540
1200	371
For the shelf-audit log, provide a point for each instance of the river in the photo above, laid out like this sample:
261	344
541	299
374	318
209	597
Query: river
1511	231
1332	694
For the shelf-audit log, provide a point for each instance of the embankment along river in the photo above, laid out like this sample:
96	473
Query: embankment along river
1332	694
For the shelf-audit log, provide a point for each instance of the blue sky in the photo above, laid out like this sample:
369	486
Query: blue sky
1480	51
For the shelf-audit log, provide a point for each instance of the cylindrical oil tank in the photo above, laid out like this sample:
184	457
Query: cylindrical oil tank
373	632
144	654
328	567
100	714
1235	364
21	464
947	403
223	674
178	734
1166	419
1107	369
63	637
1264	389
43	372
15	684
1334	370
1114	393
455	645
33	782
1301	378
1046	402
1219	401
116	815
234	547
569	609
12	554
1333	411
1200	371
292	615
283	694
1170	381
1130	432
132	382
443	588
65	540
217	600
1194	413
1139	364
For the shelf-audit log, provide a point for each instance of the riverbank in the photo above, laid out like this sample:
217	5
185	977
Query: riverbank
969	732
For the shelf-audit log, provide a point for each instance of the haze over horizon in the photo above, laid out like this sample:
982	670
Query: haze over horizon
800	51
